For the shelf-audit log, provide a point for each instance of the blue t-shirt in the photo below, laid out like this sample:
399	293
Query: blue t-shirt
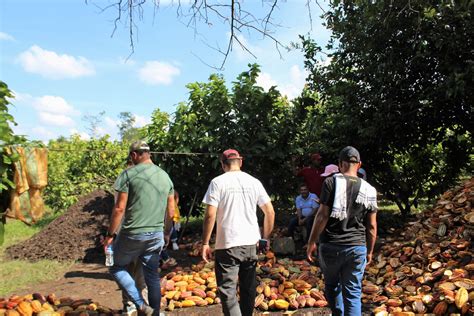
307	205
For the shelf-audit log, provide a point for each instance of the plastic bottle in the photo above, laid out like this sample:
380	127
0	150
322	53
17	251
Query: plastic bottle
109	256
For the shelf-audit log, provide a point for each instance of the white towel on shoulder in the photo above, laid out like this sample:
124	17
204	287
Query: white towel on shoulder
367	196
339	206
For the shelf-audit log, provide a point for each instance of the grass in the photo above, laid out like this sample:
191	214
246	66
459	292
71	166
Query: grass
17	274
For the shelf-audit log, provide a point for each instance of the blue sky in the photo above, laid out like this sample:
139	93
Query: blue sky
60	60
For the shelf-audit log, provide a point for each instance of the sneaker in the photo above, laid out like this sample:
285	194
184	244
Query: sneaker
129	310
146	310
175	246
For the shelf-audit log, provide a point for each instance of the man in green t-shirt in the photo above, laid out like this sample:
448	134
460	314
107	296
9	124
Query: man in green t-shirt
144	208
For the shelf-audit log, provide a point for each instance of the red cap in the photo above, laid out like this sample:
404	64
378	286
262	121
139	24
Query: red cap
316	156
230	154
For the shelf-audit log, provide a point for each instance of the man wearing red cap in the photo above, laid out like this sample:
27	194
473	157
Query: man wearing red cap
232	199
312	174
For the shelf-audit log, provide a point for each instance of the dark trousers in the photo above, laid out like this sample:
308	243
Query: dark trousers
294	223
237	265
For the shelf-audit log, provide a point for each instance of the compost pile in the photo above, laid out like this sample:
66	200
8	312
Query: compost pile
75	235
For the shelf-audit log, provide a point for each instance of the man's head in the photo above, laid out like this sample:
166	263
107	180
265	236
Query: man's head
139	152
316	159
349	159
231	159
304	191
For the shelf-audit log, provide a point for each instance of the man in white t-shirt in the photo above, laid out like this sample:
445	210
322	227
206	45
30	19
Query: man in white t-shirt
232	199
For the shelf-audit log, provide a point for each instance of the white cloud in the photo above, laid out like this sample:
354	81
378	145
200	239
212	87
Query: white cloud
51	65
158	73
141	121
54	105
265	81
56	119
292	88
82	135
6	37
42	133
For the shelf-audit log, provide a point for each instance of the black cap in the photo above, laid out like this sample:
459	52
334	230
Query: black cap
349	154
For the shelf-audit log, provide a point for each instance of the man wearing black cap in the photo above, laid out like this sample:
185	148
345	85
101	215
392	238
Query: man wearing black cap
345	228
144	210
232	199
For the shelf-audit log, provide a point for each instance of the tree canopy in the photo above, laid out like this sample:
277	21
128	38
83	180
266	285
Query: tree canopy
399	87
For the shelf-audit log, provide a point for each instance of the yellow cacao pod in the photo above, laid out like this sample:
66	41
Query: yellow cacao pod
281	304
461	297
187	303
267	291
24	308
36	306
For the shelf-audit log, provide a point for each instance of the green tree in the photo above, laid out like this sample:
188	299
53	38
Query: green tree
399	87
7	138
77	167
93	123
127	130
257	123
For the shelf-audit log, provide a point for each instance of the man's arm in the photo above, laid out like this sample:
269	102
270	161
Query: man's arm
116	217
169	214
319	225
269	219
207	227
371	234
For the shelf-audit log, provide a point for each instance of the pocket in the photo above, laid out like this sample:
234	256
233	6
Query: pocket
253	253
328	256
359	256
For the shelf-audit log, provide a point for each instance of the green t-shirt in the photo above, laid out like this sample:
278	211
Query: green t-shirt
148	187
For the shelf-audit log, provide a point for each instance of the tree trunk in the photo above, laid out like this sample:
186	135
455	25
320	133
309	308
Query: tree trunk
404	206
187	218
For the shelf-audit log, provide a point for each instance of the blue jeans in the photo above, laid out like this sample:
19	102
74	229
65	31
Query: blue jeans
343	269
294	223
147	248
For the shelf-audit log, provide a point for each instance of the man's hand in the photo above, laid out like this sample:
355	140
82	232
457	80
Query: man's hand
206	253
107	242
310	251
369	258
167	239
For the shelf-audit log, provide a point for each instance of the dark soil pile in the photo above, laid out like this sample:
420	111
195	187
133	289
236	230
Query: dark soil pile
75	235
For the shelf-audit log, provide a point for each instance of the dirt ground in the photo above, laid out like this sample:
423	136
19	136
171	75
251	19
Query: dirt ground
92	281
76	236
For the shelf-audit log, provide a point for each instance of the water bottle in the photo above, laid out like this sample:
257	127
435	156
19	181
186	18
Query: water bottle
109	256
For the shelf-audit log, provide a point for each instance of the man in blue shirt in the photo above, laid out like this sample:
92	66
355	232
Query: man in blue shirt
306	206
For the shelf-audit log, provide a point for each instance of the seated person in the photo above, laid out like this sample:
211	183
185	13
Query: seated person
307	205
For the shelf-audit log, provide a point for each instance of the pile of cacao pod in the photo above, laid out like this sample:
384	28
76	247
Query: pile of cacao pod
50	305
429	266
282	284
180	289
287	284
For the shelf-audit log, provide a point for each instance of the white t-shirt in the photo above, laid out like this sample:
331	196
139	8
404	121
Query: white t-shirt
236	195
